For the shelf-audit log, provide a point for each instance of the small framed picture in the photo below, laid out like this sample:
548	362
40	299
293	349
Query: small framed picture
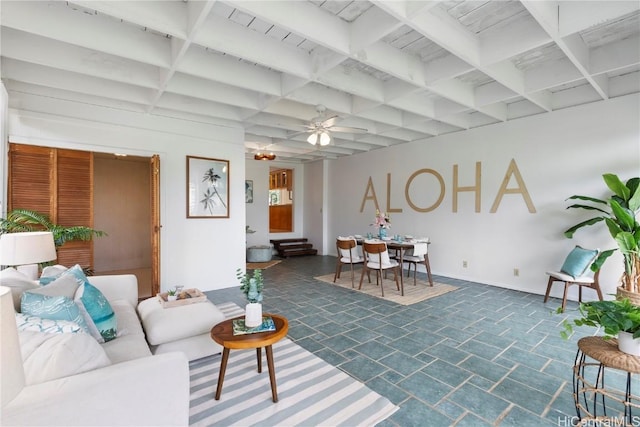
248	191
207	188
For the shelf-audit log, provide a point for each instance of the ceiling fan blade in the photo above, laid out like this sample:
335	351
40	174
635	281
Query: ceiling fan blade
297	133
329	122
347	129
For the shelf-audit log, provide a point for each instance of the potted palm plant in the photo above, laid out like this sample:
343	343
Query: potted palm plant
21	220
620	214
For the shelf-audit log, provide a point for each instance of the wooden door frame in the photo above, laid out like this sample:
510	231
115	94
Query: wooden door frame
155	224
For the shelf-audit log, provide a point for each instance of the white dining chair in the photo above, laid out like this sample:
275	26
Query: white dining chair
347	249
377	258
418	255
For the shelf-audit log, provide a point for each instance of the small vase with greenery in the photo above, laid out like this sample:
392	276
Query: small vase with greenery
171	295
252	287
615	317
620	214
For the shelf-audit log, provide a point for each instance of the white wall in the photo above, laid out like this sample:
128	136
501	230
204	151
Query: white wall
4	115
558	154
258	211
202	253
314	213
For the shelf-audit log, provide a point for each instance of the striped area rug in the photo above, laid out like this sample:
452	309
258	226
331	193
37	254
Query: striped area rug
311	392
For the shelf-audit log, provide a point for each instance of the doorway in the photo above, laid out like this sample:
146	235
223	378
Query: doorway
122	185
281	200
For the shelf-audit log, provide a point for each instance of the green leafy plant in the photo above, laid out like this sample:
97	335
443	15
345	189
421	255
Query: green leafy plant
171	292
21	220
620	214
613	316
251	286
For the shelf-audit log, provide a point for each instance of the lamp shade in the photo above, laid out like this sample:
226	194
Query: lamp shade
325	138
313	139
27	248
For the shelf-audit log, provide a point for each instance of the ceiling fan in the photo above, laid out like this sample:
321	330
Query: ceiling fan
320	127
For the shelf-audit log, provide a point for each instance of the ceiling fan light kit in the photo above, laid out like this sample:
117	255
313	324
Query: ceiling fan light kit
322	137
264	156
320	128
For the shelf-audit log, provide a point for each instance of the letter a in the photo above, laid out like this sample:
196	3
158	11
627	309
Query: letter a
522	188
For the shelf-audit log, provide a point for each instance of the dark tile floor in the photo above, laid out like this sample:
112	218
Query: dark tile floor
478	356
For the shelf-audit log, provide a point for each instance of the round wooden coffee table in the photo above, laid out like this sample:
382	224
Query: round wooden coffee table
222	333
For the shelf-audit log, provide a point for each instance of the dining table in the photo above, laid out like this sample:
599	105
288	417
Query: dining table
401	245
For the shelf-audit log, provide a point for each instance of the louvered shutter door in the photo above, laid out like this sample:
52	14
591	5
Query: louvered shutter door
58	183
31	178
75	203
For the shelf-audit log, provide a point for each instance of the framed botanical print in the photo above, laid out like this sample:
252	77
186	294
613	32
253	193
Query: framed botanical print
207	187
248	191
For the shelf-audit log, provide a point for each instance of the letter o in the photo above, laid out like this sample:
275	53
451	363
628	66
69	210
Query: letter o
410	180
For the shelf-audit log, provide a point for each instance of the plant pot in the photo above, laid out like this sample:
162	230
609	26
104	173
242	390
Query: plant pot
622	293
172	297
253	315
627	344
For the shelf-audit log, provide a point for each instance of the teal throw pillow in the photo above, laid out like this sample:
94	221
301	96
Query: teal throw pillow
52	307
92	303
98	312
578	261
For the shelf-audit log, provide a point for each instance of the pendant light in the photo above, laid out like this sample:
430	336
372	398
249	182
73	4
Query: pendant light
264	156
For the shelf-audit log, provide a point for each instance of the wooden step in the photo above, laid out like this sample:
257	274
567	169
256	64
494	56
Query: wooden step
293	247
298	252
293	240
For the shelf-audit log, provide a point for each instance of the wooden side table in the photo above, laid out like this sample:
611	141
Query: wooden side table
222	333
592	396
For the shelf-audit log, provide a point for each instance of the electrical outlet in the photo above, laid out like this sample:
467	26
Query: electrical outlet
464	264
516	272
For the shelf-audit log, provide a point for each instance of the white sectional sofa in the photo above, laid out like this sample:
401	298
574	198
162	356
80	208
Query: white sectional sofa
130	387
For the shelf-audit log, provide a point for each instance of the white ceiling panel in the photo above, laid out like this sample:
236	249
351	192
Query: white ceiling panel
401	70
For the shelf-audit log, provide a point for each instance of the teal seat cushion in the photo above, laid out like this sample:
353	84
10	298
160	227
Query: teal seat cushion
578	261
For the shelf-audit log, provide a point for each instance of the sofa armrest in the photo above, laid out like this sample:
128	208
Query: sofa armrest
150	391
117	286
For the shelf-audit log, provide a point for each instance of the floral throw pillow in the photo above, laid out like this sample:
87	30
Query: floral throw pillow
52	307
26	322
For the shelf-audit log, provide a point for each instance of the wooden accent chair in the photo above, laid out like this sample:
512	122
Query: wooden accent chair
575	271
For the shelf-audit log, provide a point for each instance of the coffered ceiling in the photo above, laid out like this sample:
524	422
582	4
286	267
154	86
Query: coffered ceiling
403	70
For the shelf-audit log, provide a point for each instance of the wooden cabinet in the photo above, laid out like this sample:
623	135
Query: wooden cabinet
280	218
281	178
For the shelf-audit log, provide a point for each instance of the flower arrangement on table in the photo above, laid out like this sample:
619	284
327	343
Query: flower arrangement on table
382	222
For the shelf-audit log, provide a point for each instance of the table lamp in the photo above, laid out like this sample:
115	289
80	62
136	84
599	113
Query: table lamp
26	250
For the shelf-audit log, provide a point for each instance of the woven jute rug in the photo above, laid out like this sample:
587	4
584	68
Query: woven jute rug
412	294
262	265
